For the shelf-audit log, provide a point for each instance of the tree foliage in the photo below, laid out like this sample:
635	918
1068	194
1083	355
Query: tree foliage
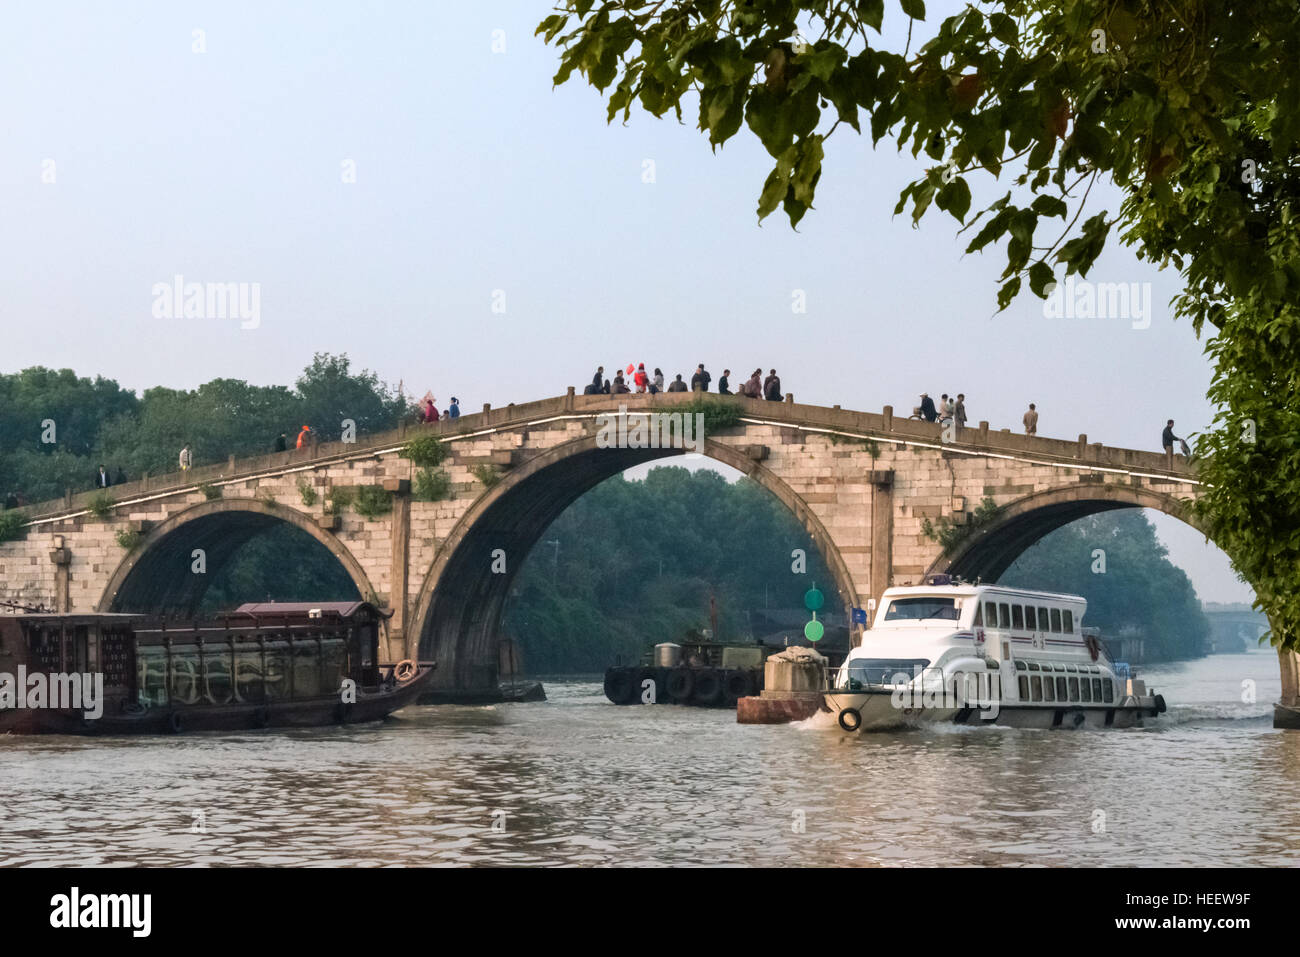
1190	107
96	421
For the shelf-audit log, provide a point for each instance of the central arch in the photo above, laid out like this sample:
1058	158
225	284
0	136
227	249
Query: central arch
156	576
459	608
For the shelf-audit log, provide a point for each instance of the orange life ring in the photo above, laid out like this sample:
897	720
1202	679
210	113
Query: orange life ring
404	670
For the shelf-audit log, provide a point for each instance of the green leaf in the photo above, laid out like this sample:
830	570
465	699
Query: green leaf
1040	277
954	197
1010	289
913	8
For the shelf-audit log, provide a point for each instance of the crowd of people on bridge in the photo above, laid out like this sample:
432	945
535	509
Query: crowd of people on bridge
642	382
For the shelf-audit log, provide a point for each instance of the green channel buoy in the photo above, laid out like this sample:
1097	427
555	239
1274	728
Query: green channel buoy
813	631
813	599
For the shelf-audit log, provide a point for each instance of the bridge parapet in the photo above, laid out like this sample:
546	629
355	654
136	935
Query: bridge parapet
801	418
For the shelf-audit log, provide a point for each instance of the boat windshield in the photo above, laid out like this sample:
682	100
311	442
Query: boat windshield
914	609
883	671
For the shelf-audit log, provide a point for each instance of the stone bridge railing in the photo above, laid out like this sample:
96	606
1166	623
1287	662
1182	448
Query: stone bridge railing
882	426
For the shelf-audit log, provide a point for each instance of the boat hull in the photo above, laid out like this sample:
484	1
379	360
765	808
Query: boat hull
878	712
318	711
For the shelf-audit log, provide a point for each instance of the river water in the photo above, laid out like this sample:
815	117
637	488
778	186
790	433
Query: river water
579	781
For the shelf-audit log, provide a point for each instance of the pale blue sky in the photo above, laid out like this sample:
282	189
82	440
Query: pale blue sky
474	175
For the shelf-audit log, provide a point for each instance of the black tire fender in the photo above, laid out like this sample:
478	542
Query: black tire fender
708	687
854	719
680	683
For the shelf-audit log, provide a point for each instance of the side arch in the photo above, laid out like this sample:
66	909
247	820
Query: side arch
460	602
156	576
1019	524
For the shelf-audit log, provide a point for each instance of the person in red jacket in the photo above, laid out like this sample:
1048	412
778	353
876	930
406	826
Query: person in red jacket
641	379
302	436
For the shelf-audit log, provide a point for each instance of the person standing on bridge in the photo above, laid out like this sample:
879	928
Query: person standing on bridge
453	410
640	378
677	385
927	408
1167	439
281	442
700	381
754	387
598	379
1031	420
772	387
959	413
303	436
724	387
658	381
186	458
102	478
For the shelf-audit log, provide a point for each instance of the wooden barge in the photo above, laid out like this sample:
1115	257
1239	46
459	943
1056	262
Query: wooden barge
263	665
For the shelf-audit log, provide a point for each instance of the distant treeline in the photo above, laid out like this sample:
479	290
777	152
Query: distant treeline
57	428
1115	560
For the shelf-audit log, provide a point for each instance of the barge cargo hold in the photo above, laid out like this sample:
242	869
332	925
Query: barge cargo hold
263	665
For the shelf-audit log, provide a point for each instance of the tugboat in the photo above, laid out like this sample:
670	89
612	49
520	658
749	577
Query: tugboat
260	666
959	653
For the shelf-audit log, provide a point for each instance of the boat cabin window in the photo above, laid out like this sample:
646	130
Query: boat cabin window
1108	689
1042	618
1030	620
1017	617
1035	688
884	671
1004	615
1067	621
1020	665
922	607
1049	690
1085	688
991	614
1061	693
1024	687
979	615
1074	689
1056	619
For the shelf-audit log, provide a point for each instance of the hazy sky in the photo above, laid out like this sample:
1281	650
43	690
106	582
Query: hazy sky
477	183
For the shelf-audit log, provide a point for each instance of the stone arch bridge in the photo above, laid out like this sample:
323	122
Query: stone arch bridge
867	486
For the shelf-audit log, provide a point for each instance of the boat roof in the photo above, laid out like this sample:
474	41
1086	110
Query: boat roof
344	609
967	589
72	617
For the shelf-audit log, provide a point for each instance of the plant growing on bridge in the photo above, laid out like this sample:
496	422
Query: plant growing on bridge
487	474
101	505
11	525
338	498
719	413
266	495
373	501
307	492
431	485
425	451
1192	109
949	534
210	491
128	538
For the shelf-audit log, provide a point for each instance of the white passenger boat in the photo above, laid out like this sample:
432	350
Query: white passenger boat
964	653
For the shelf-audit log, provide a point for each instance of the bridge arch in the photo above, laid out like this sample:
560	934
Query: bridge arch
459	607
156	576
992	550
